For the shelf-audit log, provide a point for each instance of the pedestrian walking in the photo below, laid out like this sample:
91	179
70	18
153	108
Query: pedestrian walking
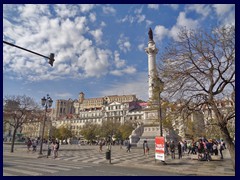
179	146
54	149
100	146
208	151
145	148
215	148
128	146
167	148
189	147
121	143
172	149
200	150
57	147
185	147
29	144
222	147
34	145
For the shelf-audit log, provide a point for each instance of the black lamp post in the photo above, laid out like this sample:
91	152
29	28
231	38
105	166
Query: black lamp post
46	103
161	85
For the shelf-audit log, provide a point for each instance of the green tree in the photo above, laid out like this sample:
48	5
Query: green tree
90	131
62	132
126	129
110	128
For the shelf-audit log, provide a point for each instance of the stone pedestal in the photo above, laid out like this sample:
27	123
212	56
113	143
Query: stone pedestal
136	134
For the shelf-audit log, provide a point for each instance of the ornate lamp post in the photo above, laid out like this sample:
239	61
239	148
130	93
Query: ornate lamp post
46	103
161	85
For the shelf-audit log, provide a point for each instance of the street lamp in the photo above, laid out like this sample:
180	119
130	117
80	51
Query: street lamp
47	103
161	85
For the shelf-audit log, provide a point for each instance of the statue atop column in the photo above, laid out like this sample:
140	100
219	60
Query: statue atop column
150	35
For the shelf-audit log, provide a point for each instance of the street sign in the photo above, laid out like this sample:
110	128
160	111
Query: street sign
159	148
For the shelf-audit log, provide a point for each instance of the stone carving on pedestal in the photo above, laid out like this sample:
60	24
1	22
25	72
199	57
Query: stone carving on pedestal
136	133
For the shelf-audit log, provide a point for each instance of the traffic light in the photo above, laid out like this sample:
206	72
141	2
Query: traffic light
51	59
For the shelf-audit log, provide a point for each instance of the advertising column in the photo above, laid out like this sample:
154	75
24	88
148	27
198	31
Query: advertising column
159	148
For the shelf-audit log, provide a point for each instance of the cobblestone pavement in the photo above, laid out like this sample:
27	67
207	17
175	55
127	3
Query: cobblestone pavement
119	157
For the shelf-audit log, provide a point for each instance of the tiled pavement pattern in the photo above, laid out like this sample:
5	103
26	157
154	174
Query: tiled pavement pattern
33	167
135	158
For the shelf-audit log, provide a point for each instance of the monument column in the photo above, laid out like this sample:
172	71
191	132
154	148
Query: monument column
151	51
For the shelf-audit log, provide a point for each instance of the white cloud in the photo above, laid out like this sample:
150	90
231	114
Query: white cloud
124	43
229	19
65	95
138	10
129	70
97	34
226	13
86	7
148	23
66	11
108	10
138	17
153	6
203	9
116	72
141	47
128	18
182	21
103	24
118	62
121	66
124	71
222	9
75	56
136	84
32	10
160	32
92	17
173	6
94	62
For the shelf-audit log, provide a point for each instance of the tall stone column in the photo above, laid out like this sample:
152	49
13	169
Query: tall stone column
151	51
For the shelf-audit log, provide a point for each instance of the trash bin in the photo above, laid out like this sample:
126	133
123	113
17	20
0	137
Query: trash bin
49	152
108	154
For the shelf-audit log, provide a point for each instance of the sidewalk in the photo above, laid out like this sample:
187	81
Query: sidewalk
21	150
189	167
185	166
192	167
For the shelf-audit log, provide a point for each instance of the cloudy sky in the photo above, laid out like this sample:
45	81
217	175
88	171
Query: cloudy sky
99	49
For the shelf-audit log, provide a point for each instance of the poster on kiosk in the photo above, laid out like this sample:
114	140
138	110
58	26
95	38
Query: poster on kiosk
159	148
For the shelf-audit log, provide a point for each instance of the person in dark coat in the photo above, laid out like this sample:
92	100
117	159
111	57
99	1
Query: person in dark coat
179	146
128	146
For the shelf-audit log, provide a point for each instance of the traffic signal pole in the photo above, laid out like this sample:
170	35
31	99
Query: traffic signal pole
51	57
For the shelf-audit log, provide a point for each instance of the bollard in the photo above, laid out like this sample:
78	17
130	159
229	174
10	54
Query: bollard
49	152
108	155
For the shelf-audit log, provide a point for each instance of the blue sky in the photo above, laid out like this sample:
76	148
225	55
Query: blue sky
99	49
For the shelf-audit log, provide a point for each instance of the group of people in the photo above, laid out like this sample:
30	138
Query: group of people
203	148
32	143
53	146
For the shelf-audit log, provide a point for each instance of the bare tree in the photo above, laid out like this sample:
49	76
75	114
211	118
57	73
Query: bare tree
17	111
199	69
